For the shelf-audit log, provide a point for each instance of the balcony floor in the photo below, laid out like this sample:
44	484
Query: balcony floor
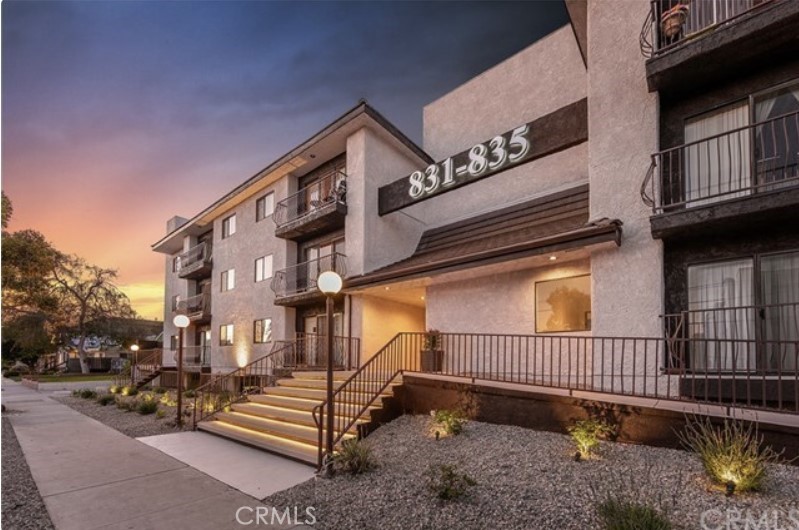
325	218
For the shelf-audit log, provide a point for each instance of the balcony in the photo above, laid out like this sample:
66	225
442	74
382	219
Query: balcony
296	285
197	308
195	263
746	176
693	42
318	207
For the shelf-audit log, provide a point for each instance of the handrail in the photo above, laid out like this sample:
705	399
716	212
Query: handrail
145	360
197	253
755	158
724	371
194	306
329	189
225	389
301	278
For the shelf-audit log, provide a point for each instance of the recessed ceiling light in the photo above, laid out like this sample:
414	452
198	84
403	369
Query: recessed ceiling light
423	298
552	258
387	288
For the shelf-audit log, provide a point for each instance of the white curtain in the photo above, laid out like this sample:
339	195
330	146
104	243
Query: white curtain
780	287
717	168
720	296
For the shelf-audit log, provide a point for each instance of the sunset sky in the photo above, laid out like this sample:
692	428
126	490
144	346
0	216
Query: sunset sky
118	115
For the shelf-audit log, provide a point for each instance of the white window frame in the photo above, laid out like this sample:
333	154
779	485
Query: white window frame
228	226
264	322
226	332
268	203
262	272
227	280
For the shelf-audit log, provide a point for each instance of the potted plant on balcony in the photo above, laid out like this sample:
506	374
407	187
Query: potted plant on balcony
432	354
672	20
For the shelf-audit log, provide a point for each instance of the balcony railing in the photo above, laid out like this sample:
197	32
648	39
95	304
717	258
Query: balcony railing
671	22
194	261
194	356
301	278
757	158
197	307
316	198
742	339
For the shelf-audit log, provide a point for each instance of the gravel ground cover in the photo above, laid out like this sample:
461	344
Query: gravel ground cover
22	506
132	424
527	480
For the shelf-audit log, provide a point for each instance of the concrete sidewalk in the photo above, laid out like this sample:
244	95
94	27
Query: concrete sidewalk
91	476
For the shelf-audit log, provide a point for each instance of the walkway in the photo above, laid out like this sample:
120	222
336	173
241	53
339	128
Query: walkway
91	476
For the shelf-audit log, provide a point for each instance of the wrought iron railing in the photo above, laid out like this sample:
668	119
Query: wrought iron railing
196	307
143	363
195	258
302	277
753	338
671	22
631	366
310	352
194	356
757	158
313	198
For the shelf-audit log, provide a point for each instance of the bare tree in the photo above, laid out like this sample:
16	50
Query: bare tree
87	295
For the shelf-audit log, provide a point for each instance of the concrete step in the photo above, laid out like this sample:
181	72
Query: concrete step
303	452
297	432
361	386
338	375
301	417
317	394
296	403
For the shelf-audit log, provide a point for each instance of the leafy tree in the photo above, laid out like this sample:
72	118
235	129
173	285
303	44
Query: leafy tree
86	296
26	337
28	264
8	209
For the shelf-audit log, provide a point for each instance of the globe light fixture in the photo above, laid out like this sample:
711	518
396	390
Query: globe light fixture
329	283
181	321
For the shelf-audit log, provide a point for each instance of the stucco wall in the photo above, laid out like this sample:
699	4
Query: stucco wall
248	300
377	320
540	79
172	286
374	241
623	120
498	303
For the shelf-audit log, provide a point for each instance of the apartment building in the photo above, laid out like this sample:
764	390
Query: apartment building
611	211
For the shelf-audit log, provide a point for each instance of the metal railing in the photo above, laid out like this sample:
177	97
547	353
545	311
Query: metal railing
196	307
195	258
315	197
631	366
761	337
144	363
671	22
302	277
310	352
194	356
753	159
224	390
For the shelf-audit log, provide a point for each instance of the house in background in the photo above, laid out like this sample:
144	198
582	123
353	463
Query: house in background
518	232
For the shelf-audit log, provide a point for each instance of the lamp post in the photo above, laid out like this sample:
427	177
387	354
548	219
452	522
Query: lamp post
135	349
181	322
330	284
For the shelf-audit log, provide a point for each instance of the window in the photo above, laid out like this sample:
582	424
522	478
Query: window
176	264
173	342
262	331
563	305
228	226
739	303
263	268
228	280
226	334
264	207
175	302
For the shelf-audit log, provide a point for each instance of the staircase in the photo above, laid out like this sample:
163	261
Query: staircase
280	419
140	382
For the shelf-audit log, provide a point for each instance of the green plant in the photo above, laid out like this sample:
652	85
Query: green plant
105	399
355	457
159	390
126	404
432	339
587	433
129	391
621	514
147	407
450	421
11	373
189	393
447	483
732	453
168	400
160	413
114	389
85	393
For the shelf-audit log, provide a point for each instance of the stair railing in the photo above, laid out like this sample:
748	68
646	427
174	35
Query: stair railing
148	361
226	389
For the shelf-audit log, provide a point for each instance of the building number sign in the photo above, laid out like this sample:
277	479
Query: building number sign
501	152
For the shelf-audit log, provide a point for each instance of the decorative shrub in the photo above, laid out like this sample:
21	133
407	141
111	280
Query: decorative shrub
11	373
126	404
159	390
355	457
447	483
450	421
189	393
114	389
587	433
147	407
129	391
168	400
619	514
732	453
432	339
160	413
105	399
85	393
